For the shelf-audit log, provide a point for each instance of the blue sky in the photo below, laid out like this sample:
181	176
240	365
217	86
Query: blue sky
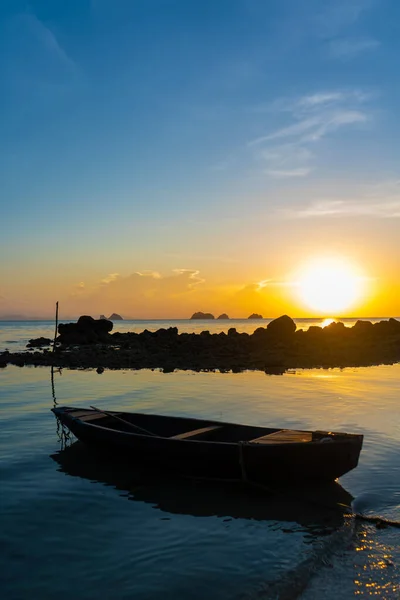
165	134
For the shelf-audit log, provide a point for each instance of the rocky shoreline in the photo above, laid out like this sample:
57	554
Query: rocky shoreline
273	349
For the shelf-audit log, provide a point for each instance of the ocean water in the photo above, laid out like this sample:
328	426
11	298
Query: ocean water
74	526
14	335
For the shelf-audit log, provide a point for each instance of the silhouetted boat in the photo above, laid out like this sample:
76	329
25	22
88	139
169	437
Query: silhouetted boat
213	449
319	508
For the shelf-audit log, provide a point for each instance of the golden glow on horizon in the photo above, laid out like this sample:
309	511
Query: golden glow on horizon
327	322
330	286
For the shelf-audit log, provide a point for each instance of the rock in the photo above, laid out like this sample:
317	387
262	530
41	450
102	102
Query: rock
260	334
201	315
363	327
85	331
255	316
86	323
390	327
313	331
38	342
335	328
282	326
394	325
115	317
223	316
100	370
166	334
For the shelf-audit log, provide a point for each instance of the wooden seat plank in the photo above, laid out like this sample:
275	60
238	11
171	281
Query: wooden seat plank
80	413
93	417
284	436
195	432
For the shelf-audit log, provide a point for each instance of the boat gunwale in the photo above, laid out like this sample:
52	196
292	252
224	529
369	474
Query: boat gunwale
345	438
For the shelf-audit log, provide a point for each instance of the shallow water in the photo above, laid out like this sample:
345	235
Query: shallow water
77	530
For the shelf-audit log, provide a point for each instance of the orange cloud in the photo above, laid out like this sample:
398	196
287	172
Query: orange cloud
141	294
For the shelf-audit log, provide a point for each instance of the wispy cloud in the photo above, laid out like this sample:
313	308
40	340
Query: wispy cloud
50	42
300	172
193	276
111	277
286	152
314	128
347	208
38	63
151	274
336	25
274	283
320	98
325	99
351	48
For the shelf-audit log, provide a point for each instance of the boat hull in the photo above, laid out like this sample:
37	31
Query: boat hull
241	460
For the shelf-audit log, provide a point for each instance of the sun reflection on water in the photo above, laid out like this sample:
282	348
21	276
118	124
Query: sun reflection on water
376	571
327	322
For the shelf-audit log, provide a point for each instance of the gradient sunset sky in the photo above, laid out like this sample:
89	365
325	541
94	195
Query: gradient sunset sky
160	157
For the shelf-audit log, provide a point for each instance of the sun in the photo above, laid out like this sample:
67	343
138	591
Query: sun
330	286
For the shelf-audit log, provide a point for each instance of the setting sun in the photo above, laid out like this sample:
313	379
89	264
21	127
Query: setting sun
330	286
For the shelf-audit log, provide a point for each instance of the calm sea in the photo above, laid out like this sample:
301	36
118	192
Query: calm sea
71	527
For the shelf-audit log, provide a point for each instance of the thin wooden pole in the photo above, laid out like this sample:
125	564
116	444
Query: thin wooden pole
53	390
55	332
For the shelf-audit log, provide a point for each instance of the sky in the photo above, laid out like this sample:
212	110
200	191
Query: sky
159	157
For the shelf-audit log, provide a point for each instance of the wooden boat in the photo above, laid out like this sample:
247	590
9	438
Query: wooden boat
213	449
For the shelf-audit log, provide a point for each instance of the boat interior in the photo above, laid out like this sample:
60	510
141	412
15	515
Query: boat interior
186	429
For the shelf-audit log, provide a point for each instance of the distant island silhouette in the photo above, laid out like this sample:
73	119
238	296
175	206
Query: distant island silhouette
113	317
202	315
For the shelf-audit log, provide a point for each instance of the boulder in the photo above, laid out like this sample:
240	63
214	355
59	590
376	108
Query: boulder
282	326
260	335
313	332
85	331
390	327
363	328
167	334
335	328
86	323
38	342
